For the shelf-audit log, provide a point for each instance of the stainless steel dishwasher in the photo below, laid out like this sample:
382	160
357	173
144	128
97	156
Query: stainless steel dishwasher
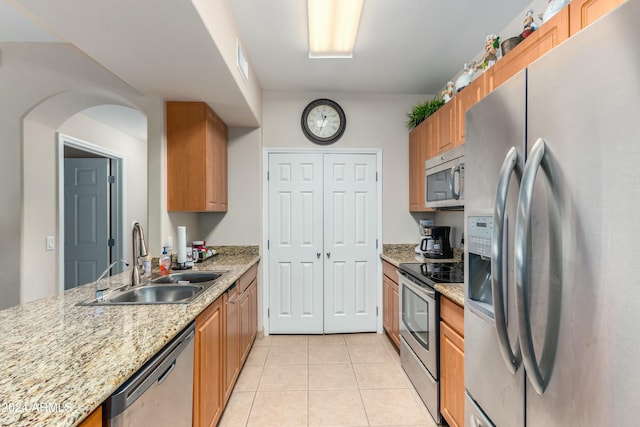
161	392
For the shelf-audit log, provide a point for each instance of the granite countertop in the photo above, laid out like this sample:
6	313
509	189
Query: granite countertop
60	361
400	253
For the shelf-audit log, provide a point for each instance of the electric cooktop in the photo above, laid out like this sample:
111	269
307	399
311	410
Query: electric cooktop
435	272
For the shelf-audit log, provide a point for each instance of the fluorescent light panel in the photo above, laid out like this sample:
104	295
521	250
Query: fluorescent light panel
333	27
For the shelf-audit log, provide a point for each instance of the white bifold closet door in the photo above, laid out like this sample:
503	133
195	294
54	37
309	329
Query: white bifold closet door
322	243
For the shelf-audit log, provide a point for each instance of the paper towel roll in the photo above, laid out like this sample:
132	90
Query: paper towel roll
182	244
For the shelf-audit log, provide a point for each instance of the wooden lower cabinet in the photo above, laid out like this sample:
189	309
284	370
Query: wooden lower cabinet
231	340
208	398
248	307
390	302
452	362
94	419
225	332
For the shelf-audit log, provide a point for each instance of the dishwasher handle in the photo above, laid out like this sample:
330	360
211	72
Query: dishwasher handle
156	370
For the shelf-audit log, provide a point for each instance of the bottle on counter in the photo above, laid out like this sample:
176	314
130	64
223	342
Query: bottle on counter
146	264
165	262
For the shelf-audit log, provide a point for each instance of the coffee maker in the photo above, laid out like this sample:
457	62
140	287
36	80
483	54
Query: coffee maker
435	242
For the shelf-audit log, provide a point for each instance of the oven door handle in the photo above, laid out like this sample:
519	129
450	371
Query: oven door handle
512	165
411	284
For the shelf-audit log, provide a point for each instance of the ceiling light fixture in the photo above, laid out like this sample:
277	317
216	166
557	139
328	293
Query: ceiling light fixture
333	26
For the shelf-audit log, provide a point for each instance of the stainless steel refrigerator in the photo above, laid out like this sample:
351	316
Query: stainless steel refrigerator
552	308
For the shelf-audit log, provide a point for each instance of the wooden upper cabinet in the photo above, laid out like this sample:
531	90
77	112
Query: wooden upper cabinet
541	41
465	99
584	12
196	158
419	151
445	138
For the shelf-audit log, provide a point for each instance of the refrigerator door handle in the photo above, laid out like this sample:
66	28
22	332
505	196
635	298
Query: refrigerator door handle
452	182
512	165
537	157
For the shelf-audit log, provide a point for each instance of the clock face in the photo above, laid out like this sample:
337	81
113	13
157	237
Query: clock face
323	121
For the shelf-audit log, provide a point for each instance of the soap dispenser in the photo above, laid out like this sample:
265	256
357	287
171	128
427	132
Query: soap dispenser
165	262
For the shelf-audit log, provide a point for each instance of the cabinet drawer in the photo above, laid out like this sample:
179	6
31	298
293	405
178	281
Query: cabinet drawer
248	277
452	314
390	271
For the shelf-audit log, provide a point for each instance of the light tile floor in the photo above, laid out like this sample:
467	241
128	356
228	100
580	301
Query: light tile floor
324	380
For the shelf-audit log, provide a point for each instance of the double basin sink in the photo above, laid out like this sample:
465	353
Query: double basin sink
175	288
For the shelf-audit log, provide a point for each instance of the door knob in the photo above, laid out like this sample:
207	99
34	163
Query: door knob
328	254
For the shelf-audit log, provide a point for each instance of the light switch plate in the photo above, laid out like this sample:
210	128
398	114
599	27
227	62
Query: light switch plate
49	243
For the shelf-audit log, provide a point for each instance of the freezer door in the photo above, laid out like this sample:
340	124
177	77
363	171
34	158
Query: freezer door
581	275
494	126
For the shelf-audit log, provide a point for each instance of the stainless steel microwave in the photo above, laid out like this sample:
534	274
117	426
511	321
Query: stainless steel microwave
444	180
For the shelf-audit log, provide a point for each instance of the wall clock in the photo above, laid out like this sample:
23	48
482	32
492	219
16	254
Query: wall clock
323	121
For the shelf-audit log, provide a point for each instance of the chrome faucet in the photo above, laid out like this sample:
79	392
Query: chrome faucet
139	250
99	292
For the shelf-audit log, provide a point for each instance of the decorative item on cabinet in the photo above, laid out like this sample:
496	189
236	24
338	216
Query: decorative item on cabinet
491	44
421	111
541	41
528	25
466	77
196	158
553	7
448	92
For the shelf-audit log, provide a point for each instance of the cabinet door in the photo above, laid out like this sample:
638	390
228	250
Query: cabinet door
584	12
541	41
244	308
386	304
415	175
207	378
216	161
196	158
231	341
446	138
420	140
394	301
253	310
466	99
452	375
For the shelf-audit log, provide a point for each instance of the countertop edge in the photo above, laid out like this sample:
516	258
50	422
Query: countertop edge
52	357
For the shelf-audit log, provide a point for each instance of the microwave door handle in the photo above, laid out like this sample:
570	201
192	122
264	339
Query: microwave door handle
537	157
511	165
452	182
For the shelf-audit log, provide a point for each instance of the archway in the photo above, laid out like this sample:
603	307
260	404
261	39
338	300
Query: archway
41	210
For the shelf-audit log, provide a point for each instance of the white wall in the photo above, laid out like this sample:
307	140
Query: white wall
373	121
42	85
242	223
40	148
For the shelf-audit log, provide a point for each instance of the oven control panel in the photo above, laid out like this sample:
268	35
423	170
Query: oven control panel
479	233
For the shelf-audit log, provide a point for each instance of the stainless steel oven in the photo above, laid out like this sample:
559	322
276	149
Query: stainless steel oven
419	336
419	326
